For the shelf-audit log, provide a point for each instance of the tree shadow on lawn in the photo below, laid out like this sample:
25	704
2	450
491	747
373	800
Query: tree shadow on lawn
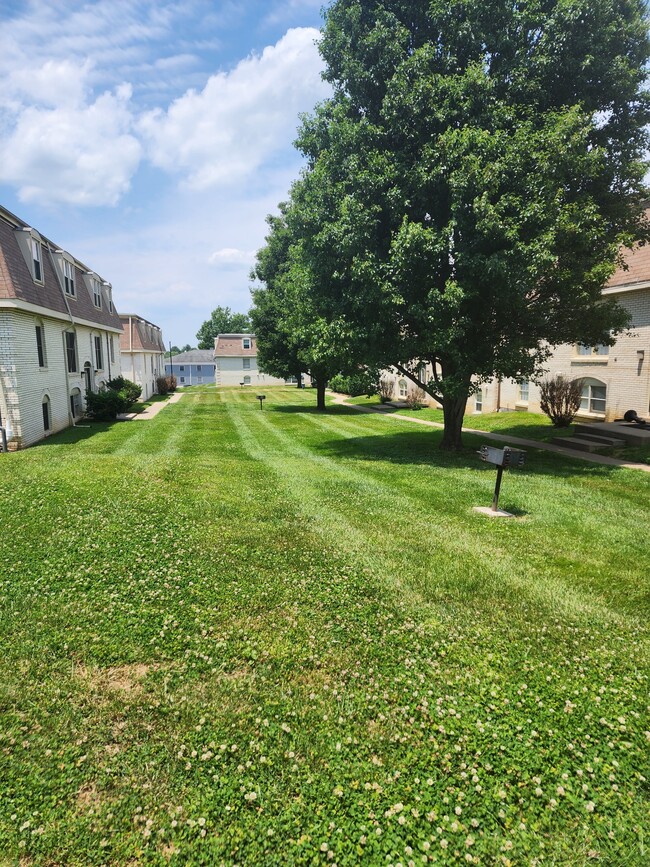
423	447
335	409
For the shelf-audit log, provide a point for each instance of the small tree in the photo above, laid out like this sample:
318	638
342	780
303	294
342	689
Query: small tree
560	399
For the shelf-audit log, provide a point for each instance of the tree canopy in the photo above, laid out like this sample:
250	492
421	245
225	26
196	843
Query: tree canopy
222	321
470	182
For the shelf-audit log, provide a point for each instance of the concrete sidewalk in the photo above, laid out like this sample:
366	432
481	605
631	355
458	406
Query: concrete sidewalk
150	411
340	399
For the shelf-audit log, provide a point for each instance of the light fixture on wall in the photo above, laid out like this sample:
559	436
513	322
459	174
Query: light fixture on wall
640	354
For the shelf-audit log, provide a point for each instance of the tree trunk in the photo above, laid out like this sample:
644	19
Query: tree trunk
321	385
453	409
299	380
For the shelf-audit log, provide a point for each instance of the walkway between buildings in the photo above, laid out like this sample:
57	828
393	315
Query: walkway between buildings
503	438
151	410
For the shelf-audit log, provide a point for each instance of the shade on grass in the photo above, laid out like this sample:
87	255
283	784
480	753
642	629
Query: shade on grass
243	637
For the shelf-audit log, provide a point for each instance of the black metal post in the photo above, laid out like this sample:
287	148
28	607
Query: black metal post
497	488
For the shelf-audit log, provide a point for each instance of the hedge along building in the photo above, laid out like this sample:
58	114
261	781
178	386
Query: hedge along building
59	334
143	351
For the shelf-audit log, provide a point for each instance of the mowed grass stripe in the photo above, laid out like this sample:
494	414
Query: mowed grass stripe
353	506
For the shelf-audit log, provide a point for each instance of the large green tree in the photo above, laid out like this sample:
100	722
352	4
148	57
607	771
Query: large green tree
222	321
293	336
471	181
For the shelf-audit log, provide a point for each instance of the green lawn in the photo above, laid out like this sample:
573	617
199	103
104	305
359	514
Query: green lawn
233	636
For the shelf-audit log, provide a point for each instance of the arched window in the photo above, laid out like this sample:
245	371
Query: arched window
403	388
75	402
247	380
47	417
594	396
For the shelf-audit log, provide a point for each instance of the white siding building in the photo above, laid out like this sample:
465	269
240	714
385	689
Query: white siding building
235	358
59	334
143	352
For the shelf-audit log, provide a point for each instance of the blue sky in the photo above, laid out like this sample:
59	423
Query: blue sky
151	139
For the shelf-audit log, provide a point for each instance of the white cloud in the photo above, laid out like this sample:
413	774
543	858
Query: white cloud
232	256
82	154
241	118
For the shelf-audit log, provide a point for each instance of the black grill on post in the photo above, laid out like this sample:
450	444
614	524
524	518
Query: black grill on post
502	459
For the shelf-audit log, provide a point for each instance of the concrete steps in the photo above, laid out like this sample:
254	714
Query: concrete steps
588	442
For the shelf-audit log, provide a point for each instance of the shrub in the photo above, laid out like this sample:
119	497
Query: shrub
166	384
560	399
357	384
415	399
385	389
107	404
130	390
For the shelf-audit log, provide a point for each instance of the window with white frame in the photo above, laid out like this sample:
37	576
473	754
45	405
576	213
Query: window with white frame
47	418
247	380
40	346
403	388
75	403
109	295
68	278
246	343
523	388
97	292
594	397
592	351
478	400
198	368
98	352
71	351
247	363
37	260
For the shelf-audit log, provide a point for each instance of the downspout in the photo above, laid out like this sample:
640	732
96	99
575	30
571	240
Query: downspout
108	355
74	329
131	348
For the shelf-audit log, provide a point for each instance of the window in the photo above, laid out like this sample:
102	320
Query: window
198	368
97	292
181	367
591	351
40	345
478	400
68	277
98	352
182	379
75	403
594	397
247	380
46	413
246	343
37	260
109	293
523	390
71	351
247	363
403	388
199	379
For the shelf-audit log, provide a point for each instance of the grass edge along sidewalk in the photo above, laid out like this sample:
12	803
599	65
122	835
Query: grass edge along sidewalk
605	460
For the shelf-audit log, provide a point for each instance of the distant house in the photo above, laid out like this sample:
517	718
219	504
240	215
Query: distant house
195	367
143	351
235	358
59	334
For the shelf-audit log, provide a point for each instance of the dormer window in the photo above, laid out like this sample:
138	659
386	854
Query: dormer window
37	260
246	343
97	292
109	295
68	277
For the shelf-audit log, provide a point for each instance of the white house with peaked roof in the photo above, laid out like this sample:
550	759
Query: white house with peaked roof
235	358
59	334
143	351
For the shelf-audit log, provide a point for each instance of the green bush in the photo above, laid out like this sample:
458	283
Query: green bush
355	385
130	390
107	404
